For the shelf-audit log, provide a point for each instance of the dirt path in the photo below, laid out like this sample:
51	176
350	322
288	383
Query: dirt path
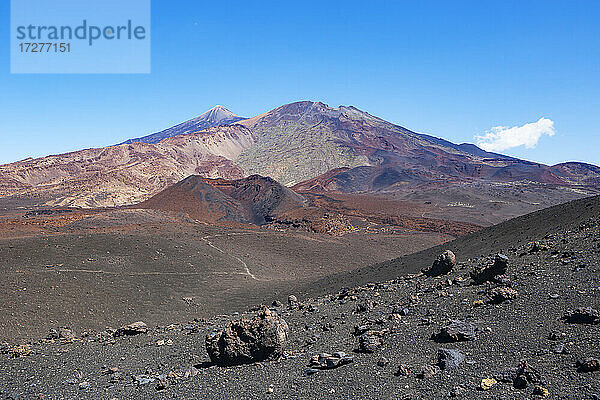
246	269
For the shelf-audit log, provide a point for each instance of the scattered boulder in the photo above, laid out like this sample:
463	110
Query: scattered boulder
403	370
371	340
449	359
487	383
588	365
560	348
556	335
163	382
330	361
382	362
364	307
19	351
541	391
456	331
428	371
248	340
521	376
582	315
61	333
277	303
442	265
501	294
292	300
482	274
132	329
141	380
360	329
536	246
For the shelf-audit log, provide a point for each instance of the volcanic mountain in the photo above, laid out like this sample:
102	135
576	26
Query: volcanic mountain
307	144
254	199
216	116
128	173
303	140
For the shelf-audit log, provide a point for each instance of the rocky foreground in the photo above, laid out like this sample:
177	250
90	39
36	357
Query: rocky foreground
520	323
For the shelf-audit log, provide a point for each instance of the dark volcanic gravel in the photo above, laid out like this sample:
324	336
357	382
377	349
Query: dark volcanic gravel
513	356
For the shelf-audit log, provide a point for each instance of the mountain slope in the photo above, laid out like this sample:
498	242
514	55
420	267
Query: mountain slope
253	200
497	238
303	140
216	116
128	173
291	144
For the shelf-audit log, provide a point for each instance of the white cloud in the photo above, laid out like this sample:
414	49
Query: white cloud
501	138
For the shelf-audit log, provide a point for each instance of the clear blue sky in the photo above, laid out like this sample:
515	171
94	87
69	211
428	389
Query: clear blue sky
450	69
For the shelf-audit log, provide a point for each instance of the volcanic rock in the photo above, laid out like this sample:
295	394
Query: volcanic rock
62	333
482	274
456	331
450	358
330	361
588	365
370	341
442	265
132	329
428	371
501	294
248	340
403	370
541	391
582	315
292	300
520	376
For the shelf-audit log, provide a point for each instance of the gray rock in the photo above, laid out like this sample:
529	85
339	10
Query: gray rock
248	340
520	376
482	274
61	333
582	315
132	329
292	300
329	361
588	365
559	349
371	340
428	371
456	331
403	370
501	294
442	265
449	359
143	379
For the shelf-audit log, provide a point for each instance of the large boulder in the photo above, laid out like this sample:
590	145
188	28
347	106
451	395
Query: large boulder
442	265
248	340
456	331
450	358
487	273
132	329
582	315
501	294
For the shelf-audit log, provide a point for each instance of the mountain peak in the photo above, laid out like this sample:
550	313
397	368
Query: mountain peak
216	116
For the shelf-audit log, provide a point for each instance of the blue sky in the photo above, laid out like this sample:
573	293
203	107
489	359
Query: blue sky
450	69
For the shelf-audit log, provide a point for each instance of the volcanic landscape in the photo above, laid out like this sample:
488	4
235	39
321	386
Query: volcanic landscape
124	265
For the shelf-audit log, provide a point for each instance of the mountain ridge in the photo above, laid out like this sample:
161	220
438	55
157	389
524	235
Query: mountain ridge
292	144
